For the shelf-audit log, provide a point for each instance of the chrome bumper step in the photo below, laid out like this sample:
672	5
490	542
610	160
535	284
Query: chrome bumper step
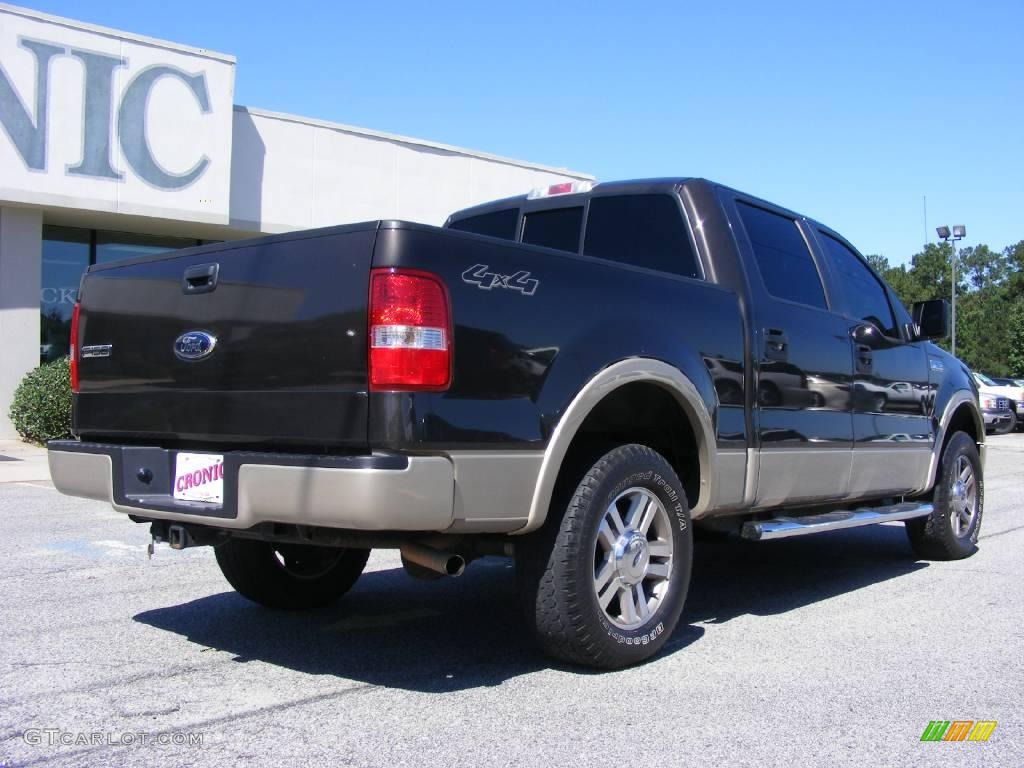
784	527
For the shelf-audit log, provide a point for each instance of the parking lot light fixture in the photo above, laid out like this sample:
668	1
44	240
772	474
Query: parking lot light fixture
959	232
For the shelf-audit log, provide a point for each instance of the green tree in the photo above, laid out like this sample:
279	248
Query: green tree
982	267
990	290
1015	265
983	330
878	262
1015	352
927	277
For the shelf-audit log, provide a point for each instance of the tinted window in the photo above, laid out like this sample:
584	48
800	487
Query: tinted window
785	263
864	293
496	224
65	258
559	228
645	230
111	246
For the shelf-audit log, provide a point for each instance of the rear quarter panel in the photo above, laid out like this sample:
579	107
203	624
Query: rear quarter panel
522	350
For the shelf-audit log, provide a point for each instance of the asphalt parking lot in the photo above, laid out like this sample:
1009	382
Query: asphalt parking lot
827	650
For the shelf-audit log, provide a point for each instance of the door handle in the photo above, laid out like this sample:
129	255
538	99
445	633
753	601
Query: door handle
865	360
201	278
776	344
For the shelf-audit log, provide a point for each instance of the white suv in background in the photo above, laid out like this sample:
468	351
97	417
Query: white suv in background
1002	406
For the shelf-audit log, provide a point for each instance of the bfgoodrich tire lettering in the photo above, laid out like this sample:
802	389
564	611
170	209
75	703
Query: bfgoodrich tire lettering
950	532
289	576
564	574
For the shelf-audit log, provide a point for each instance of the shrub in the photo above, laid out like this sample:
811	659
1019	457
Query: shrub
41	409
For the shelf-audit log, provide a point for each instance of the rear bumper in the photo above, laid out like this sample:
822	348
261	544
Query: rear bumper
379	492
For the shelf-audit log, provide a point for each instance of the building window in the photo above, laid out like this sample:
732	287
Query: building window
65	257
67	253
112	246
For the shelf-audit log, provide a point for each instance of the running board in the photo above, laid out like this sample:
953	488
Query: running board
784	527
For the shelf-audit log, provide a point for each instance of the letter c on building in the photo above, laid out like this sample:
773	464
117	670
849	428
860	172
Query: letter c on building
131	126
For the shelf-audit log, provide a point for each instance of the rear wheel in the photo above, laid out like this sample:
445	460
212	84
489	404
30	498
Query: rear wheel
289	576
604	582
950	532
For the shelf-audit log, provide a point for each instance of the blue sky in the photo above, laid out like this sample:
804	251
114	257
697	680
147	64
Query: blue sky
848	112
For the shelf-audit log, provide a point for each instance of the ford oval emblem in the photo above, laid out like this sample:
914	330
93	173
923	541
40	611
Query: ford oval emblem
194	345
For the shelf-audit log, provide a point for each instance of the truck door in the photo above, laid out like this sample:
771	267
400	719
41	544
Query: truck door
892	403
801	350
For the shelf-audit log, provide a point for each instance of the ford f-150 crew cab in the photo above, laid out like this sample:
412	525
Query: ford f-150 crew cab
575	378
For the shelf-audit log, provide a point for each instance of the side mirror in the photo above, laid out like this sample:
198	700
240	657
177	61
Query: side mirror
931	318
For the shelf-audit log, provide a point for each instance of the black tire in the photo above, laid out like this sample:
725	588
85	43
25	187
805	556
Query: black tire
557	566
935	537
1008	426
289	576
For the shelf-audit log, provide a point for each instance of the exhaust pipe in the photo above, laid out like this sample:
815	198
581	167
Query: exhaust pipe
436	560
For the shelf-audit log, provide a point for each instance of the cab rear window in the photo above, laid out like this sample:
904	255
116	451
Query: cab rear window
496	223
558	228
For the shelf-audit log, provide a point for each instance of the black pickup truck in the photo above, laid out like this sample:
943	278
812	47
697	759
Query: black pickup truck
575	378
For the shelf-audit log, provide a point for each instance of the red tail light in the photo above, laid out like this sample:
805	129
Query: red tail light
410	331
73	347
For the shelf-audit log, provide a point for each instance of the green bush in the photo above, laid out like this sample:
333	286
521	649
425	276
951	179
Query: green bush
41	409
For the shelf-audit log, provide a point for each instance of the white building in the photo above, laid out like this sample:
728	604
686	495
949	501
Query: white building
113	144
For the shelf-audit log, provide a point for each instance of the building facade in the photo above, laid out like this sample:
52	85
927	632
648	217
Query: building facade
114	145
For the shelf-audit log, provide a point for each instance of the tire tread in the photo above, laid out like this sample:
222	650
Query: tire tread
548	568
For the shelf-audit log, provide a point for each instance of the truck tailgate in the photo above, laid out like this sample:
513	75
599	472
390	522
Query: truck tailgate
288	365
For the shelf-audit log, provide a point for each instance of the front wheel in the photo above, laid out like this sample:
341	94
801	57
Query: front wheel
604	581
289	576
1009	426
950	532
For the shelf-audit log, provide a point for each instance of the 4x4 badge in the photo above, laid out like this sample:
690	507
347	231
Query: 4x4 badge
521	281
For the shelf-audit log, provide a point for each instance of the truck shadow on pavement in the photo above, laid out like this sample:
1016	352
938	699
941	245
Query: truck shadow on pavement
464	633
735	577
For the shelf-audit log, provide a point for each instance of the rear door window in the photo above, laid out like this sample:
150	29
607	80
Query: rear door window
643	230
496	223
558	228
782	256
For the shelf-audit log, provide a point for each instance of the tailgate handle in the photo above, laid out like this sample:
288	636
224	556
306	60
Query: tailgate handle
202	278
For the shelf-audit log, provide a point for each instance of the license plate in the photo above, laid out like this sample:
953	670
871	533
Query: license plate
199	477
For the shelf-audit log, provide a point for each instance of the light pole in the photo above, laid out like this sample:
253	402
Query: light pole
958	233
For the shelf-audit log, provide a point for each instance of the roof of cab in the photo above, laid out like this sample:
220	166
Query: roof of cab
524	201
629	186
